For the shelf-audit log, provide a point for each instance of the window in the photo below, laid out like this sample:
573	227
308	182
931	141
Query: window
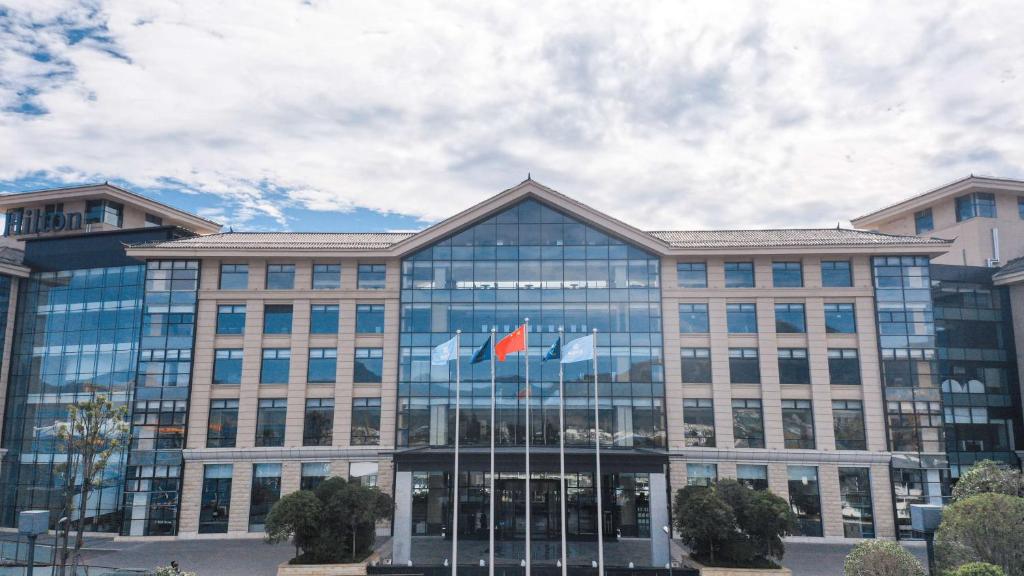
787	274
215	505
276	362
701	474
739	274
371	276
741	318
365	421
848	422
323	319
699	422
369	366
363	473
798	424
227	366
836	274
696	365
805	500
843	366
923	221
326	276
223	426
277	319
280	276
978	204
318	425
692	274
793	366
104	211
323	365
840	319
313	474
1020	206
753	476
693	318
234	276
855	502
270	421
231	319
153	221
748	424
790	319
369	318
266	491
743	366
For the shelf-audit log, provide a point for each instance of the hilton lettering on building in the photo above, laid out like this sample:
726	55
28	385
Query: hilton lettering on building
35	221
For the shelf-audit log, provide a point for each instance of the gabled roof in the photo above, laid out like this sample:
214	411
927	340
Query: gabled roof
1012	273
396	244
961	186
191	221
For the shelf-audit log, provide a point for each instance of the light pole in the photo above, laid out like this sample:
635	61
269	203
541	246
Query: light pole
668	535
32	523
926	518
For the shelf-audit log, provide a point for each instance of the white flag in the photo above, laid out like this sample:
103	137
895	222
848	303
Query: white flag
443	353
578	350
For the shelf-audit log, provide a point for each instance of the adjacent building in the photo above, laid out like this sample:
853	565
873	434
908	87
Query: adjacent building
816	363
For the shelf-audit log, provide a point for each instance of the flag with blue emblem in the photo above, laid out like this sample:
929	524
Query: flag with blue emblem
443	353
578	350
553	353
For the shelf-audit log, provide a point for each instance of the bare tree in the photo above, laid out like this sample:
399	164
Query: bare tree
94	431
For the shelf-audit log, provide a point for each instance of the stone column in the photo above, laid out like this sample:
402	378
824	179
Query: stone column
659	518
401	543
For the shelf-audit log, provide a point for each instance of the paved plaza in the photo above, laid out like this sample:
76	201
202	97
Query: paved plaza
253	557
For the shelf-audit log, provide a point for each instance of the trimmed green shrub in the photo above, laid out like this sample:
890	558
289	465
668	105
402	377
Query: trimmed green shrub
982	528
977	569
989	477
881	558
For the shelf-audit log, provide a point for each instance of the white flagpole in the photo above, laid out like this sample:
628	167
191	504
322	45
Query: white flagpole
529	500
561	449
597	447
455	476
490	517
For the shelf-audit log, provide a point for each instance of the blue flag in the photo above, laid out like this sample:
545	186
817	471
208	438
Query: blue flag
482	353
443	353
579	350
555	352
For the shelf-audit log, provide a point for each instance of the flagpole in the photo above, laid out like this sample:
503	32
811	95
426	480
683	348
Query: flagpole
529	500
455	476
597	448
491	518
561	448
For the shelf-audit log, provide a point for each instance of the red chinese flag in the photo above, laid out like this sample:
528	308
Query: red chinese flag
514	342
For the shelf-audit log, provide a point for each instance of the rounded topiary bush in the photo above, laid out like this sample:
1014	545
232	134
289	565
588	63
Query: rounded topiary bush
977	569
881	558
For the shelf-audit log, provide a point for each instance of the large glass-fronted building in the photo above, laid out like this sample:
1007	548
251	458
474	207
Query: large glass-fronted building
837	368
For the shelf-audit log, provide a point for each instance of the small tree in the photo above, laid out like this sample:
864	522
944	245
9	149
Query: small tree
704	521
982	528
986	477
334	523
881	558
95	430
294	517
977	569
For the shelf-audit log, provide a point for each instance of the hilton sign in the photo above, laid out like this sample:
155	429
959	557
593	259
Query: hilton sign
35	221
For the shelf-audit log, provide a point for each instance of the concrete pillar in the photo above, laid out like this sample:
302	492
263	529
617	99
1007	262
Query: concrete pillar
401	544
659	518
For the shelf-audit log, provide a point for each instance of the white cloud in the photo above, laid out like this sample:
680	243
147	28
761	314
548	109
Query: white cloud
664	114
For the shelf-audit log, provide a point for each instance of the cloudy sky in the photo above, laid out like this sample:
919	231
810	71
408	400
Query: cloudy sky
323	115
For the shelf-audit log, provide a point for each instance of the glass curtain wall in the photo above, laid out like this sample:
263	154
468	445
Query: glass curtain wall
77	336
906	334
160	406
532	261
